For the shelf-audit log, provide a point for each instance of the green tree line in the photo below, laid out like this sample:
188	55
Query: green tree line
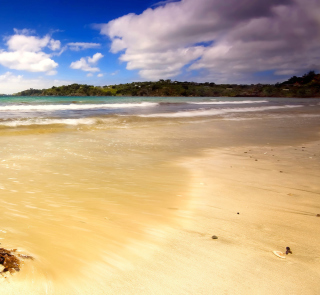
306	86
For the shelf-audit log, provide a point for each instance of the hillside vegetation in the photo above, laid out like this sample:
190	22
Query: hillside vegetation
305	86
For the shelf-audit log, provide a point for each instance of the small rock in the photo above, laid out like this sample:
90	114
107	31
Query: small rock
214	237
238	213
281	171
318	215
288	250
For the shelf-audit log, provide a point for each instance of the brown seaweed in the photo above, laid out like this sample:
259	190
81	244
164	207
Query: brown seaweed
10	261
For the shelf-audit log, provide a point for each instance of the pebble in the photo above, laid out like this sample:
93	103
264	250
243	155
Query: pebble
288	250
214	237
318	215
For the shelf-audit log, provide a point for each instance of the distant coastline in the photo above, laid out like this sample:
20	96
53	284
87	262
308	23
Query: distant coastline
306	86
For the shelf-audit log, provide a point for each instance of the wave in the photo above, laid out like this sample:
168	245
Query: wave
229	102
71	107
212	112
74	122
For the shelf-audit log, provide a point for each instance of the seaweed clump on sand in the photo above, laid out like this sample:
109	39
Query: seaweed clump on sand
9	261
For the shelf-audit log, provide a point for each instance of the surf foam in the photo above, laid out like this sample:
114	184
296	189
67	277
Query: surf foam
229	102
212	112
30	122
62	107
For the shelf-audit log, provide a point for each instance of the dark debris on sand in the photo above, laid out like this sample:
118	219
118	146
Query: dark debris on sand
10	262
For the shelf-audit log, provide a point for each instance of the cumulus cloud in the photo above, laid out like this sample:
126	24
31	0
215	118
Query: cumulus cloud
10	83
26	52
100	75
76	46
94	59
54	44
86	63
219	37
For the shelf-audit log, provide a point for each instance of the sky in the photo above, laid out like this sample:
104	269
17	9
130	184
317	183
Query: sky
102	42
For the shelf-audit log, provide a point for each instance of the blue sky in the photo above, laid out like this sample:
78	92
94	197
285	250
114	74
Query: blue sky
46	43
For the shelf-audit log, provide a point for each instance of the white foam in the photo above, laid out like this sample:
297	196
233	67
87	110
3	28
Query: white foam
18	123
62	107
229	102
212	112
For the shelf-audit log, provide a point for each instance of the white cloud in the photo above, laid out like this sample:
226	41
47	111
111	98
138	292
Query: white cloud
10	83
161	64
86	63
219	37
54	44
100	75
27	43
24	31
28	61
26	52
95	58
76	46
89	75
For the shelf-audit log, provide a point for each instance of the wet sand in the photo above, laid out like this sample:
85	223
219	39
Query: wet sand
276	209
133	211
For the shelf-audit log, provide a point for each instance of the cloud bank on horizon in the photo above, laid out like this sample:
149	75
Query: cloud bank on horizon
224	41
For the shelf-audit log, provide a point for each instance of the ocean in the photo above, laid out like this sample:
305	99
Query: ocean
32	111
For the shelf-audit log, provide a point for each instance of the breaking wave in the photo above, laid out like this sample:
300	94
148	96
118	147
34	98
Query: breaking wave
212	112
229	102
71	107
43	121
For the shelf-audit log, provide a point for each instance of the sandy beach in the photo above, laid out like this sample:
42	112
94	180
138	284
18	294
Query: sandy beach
254	208
133	210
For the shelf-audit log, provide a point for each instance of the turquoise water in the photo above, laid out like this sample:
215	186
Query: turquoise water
130	99
23	111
